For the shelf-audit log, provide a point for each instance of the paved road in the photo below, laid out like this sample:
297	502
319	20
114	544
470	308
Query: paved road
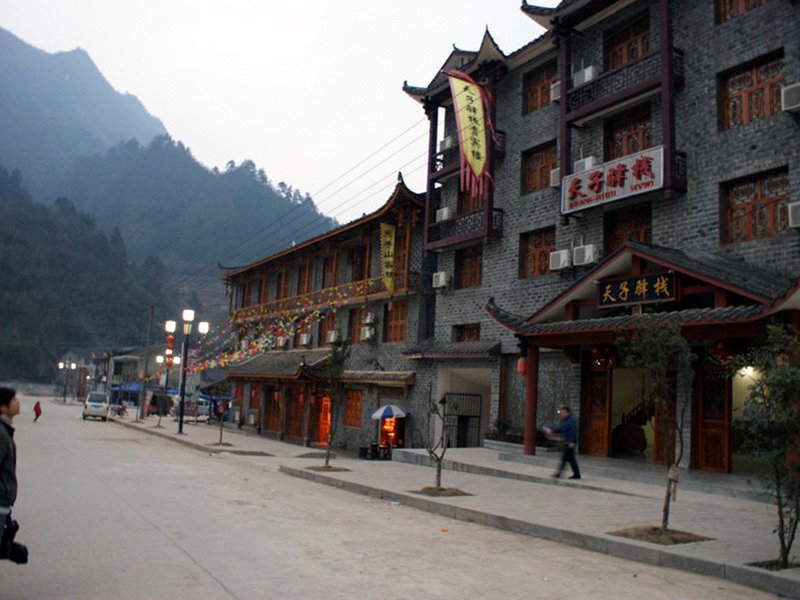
110	513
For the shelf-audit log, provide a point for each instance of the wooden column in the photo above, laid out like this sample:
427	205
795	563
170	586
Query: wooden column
432	111
531	400
284	412
306	416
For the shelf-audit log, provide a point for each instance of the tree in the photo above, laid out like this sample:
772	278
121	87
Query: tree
771	425
437	450
340	352
660	351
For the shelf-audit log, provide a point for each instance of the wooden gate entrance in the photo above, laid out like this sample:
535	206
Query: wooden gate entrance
713	420
597	413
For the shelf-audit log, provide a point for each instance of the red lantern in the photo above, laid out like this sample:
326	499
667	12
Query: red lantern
276	396
301	398
522	366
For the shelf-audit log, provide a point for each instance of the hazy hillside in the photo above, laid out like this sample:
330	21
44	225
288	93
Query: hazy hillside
57	107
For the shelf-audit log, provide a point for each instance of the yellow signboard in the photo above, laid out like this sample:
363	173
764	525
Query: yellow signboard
470	120
387	256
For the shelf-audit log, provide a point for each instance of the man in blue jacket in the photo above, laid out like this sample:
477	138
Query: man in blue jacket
569	430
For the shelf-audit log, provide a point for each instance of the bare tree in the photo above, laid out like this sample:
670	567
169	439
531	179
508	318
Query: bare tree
437	449
340	352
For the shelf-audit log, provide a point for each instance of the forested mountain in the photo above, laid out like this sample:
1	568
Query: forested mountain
57	107
65	285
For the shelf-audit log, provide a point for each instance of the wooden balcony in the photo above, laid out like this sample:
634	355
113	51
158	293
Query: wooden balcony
354	292
618	85
465	228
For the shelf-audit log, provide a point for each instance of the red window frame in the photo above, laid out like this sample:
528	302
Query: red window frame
467	332
304	278
729	9
752	93
396	320
353	408
629	132
536	249
536	87
536	166
756	207
627	44
468	267
468	203
633	223
356	320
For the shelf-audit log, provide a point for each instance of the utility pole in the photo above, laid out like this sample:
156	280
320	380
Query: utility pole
143	397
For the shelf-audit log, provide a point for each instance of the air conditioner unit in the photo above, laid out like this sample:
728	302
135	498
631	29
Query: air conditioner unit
584	164
440	279
555	178
305	338
443	214
280	341
794	214
581	76
584	255
367	333
560	259
333	336
369	318
447	143
790	97
555	91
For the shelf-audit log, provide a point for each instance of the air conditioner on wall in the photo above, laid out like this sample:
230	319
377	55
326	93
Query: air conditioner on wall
790	97
368	318
581	76
584	164
794	214
447	143
440	279
333	336
555	178
555	91
560	259
367	333
305	338
584	255
443	214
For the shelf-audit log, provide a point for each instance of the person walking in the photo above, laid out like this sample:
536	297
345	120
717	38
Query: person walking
37	410
9	408
569	429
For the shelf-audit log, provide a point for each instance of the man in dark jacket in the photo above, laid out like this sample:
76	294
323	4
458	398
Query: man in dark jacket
9	408
569	430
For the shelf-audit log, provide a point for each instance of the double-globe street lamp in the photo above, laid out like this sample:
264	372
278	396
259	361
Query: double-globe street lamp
167	361
202	329
66	367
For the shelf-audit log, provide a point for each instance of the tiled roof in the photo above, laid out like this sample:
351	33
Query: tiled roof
454	350
282	363
387	378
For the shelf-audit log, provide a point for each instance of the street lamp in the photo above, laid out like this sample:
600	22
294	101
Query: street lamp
63	367
202	328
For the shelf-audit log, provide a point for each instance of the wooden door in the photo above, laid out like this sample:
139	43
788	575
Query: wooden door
597	413
273	411
294	424
324	418
713	421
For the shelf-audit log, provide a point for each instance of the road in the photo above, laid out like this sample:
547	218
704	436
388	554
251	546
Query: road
110	513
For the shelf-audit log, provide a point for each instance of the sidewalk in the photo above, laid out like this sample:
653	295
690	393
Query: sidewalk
516	493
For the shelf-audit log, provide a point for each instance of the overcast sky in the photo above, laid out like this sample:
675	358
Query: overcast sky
311	91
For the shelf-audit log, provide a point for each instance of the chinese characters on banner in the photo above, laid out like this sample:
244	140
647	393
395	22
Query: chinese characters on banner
636	290
387	256
471	105
627	176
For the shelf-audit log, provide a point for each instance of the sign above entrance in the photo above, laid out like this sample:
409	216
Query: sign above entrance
617	179
643	289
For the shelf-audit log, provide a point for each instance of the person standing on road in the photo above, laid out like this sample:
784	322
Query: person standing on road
37	410
569	430
9	408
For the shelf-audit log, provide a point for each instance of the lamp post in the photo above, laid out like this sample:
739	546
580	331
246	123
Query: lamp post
72	367
202	328
62	366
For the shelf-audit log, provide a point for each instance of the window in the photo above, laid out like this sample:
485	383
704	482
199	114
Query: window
395	320
253	292
752	93
282	285
632	223
468	267
629	132
325	325
304	279
356	323
536	166
536	247
358	260
628	43
470	332
329	272
469	204
732	8
352	411
536	87
756	207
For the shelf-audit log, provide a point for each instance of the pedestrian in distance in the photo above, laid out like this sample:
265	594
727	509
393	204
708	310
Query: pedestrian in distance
37	411
569	430
9	408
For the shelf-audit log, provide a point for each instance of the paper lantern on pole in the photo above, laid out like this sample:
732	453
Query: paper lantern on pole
522	366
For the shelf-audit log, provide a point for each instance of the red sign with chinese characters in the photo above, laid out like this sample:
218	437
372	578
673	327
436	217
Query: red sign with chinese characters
627	176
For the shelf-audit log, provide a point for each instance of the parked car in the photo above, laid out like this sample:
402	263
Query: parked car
96	405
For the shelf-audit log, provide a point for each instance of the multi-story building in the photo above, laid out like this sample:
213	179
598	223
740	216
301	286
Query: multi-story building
646	169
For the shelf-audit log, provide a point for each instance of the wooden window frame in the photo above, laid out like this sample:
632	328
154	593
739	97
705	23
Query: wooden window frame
304	278
467	332
627	43
537	163
767	78
329	272
468	267
535	249
282	284
395	321
359	262
769	201
639	220
536	87
356	322
730	9
354	402
326	324
634	125
468	203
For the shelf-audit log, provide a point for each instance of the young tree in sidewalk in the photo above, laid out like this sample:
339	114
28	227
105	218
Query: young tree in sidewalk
340	352
661	351
771	424
437	445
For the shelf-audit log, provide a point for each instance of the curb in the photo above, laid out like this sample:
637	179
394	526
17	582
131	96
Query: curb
628	549
174	438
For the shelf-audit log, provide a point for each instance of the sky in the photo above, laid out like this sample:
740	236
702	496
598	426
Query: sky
309	90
